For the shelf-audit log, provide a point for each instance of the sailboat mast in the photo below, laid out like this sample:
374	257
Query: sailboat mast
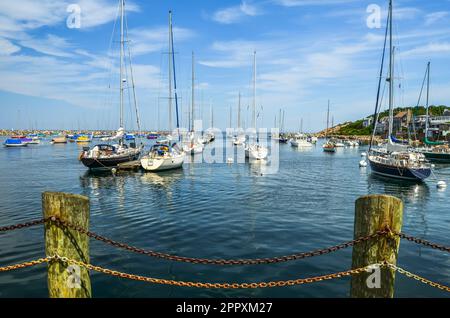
328	119
428	96
170	71
193	93
239	112
254	91
122	43
391	74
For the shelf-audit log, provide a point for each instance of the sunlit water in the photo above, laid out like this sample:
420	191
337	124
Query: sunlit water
217	211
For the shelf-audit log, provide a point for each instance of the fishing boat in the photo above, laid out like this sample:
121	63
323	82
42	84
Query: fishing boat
434	151
329	146
14	142
83	139
168	156
395	160
193	145
106	156
254	150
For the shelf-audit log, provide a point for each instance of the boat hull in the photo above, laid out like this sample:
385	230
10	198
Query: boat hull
106	163
404	173
437	157
162	164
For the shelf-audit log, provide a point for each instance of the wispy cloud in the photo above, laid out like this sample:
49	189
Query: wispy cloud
432	18
428	50
298	3
49	45
8	48
236	13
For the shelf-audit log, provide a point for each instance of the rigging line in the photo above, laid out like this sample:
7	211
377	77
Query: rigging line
376	114
136	105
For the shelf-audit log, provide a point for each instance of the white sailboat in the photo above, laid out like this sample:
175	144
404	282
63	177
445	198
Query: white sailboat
239	138
254	150
193	145
166	156
301	140
106	156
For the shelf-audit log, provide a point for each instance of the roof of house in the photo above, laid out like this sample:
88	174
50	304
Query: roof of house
401	115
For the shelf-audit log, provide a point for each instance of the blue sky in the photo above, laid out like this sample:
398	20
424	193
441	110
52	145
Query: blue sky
308	51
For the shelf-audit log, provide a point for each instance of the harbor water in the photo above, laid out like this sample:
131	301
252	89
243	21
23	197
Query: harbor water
228	211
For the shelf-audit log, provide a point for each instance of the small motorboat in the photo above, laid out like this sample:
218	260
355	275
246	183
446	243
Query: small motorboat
329	147
14	142
59	140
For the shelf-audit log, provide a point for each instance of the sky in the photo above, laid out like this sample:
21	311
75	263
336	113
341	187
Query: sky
55	74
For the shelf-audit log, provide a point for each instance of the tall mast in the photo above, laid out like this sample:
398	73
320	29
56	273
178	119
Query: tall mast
254	91
211	114
428	96
122	43
174	79
391	74
328	119
193	92
239	112
170	70
282	122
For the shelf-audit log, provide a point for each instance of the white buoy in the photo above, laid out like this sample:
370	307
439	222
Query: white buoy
113	170
230	160
363	154
441	185
363	163
433	165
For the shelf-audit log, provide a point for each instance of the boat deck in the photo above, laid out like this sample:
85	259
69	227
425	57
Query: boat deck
130	165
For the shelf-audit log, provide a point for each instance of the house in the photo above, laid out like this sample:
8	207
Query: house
367	122
446	112
402	119
382	126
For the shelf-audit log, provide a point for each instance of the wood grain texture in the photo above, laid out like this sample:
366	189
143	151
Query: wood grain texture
67	243
374	213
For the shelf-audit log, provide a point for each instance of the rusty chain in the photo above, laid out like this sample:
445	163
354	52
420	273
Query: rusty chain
270	284
23	225
24	265
418	278
256	261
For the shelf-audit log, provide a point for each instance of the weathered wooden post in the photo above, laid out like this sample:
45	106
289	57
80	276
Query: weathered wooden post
64	280
374	213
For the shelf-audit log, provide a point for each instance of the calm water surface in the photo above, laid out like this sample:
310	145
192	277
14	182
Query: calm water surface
217	211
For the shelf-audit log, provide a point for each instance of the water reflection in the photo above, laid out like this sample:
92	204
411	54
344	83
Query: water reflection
163	179
410	192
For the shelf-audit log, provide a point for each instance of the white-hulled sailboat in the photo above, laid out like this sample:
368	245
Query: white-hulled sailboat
254	150
166	156
239	138
107	156
193	145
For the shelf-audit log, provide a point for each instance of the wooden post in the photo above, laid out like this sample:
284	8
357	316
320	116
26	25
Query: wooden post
375	213
65	281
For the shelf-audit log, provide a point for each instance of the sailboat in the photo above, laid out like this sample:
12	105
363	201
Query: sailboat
283	139
167	155
435	151
106	156
329	146
210	137
396	160
300	140
193	145
239	138
254	150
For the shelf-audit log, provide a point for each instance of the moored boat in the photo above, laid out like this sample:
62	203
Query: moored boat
14	142
163	157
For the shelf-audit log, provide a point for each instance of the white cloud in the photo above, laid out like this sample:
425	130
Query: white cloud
297	3
427	50
432	18
50	45
8	48
148	40
236	13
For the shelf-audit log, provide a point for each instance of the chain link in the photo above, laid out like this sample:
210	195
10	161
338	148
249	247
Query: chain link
271	284
23	225
418	278
257	261
24	265
423	242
